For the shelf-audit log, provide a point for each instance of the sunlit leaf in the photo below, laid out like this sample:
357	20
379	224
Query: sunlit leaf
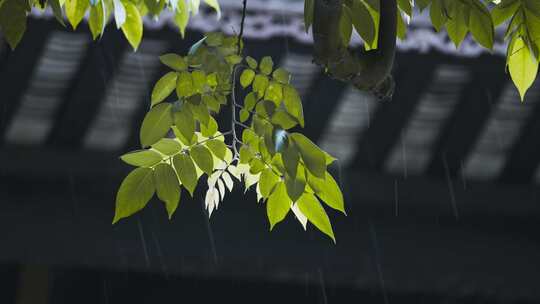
181	17
260	83
203	158
293	104
156	124
167	146
247	77
522	65
281	75
252	63
312	209
174	61
185	123
134	193
327	190
295	184
184	87
266	65
164	87
313	157
75	10
142	158
186	171
217	147
167	187
278	205
267	181
133	27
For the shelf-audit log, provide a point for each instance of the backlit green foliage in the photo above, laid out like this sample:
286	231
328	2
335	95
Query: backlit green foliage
182	144
459	18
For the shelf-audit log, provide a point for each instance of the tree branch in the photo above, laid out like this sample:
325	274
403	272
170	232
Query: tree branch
368	71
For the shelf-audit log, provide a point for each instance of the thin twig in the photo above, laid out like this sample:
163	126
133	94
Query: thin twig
244	6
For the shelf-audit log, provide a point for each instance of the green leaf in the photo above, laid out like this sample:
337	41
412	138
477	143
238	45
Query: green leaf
256	165
133	27
142	158
214	39
260	83
250	101
181	17
185	123
457	26
184	87
252	63
210	129
266	65
203	158
278	205
156	124
211	102
522	65
267	181
363	21
75	10
345	25
12	21
312	209
327	190
274	92
533	6
296	184
313	157
308	13
481	24
186	171
167	187
199	80
437	14
405	5
281	75
291	159
233	59
56	7
247	77
164	87
293	104
504	11
167	146
218	148
134	193
283	119
95	20
174	61
244	115
245	155
200	112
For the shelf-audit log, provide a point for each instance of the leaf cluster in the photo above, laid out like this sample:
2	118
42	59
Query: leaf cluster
181	142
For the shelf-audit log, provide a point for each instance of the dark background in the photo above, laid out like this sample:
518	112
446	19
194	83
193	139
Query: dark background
440	185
